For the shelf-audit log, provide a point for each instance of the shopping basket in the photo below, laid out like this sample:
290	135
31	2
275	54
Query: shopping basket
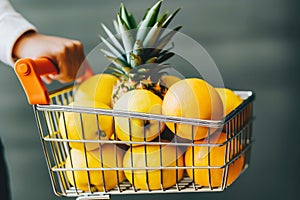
50	108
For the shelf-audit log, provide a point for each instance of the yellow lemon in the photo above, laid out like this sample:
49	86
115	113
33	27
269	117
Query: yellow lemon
198	156
192	98
168	80
78	126
107	156
97	88
138	130
230	99
153	156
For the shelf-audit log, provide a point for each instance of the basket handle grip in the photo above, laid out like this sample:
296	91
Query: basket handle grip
29	72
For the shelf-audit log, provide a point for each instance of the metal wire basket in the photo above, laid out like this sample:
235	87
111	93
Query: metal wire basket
236	129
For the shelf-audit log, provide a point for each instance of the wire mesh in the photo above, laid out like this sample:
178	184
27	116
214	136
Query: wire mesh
95	166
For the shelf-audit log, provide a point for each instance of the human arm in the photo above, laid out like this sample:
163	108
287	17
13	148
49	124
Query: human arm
12	27
67	54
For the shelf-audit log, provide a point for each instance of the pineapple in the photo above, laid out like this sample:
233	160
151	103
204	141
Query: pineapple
137	57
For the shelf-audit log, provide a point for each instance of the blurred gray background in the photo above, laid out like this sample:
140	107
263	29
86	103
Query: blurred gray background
255	45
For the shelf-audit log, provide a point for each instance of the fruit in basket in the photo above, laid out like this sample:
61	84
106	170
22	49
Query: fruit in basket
168	80
97	88
200	156
137	56
192	98
153	156
78	126
138	130
107	156
230	99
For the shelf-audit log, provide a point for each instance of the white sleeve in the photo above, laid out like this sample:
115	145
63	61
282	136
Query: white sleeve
12	26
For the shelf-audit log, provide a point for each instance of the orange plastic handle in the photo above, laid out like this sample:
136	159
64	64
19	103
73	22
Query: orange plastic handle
29	72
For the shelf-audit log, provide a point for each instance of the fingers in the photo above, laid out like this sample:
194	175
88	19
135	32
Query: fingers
46	79
66	53
85	72
69	60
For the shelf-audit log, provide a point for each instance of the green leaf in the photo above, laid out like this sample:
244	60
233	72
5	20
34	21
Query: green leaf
138	48
149	20
165	57
152	15
154	33
167	21
162	17
113	38
152	36
135	60
170	18
116	26
124	15
120	65
108	53
167	50
118	75
132	21
165	40
115	70
111	48
126	37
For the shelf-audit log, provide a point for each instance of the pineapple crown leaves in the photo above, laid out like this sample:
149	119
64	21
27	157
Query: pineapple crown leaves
128	50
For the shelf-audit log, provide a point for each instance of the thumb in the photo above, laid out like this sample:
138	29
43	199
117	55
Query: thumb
46	79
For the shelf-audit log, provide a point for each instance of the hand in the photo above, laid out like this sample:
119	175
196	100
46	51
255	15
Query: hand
66	53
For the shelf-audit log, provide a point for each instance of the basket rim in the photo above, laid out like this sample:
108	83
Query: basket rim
248	96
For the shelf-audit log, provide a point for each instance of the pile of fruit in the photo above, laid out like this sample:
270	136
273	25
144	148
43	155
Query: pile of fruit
137	83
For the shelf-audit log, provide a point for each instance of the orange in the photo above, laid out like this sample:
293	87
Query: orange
164	155
230	102
168	80
107	156
77	126
198	156
192	98
230	99
138	130
97	88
